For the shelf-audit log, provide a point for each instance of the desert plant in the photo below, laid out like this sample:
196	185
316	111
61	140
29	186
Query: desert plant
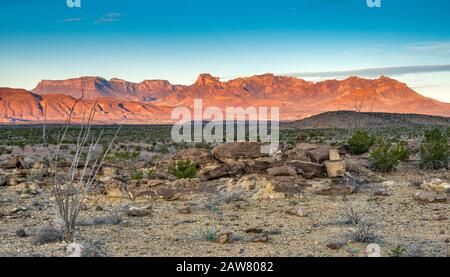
70	187
385	157
184	169
137	175
397	251
434	150
362	226
210	234
360	142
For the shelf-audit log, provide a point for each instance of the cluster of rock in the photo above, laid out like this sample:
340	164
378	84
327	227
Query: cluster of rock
229	167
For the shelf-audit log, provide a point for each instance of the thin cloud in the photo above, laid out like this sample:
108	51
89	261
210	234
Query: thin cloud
73	19
436	46
109	17
374	72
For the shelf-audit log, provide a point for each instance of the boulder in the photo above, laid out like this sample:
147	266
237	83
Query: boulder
282	171
320	154
222	170
296	154
430	197
288	185
317	170
4	180
14	162
238	150
334	155
335	168
436	185
259	165
197	156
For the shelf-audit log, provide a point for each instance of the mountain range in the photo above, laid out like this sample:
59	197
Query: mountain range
151	101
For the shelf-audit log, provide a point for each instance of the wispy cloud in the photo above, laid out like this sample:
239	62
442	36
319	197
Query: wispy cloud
109	17
433	46
73	19
374	72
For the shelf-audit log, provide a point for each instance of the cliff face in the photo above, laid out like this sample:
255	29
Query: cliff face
151	101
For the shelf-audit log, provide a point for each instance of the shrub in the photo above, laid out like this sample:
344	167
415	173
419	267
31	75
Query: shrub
4	150
48	234
434	150
210	234
137	175
360	142
386	157
184	169
401	151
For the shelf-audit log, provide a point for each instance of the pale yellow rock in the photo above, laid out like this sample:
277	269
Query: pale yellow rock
436	185
334	155
335	168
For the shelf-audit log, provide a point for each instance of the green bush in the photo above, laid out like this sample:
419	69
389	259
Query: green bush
360	142
401	151
434	150
137	175
385	157
184	169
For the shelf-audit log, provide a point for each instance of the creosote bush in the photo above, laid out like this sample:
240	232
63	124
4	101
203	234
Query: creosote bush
386	156
184	169
360	142
434	150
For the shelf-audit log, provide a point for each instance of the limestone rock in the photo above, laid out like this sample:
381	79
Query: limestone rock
237	150
335	168
197	156
282	171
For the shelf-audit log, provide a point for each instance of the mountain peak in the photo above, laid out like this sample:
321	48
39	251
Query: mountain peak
208	80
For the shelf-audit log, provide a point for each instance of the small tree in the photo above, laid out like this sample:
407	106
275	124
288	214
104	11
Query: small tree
184	169
434	150
360	142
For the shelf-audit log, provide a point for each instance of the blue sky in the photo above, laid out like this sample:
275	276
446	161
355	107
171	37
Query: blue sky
177	40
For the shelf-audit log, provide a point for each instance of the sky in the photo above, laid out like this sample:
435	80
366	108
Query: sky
176	40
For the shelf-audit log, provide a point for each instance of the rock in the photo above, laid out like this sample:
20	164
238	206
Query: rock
185	210
335	168
296	154
282	171
436	185
334	155
297	212
109	172
259	165
441	217
4	181
268	193
335	189
335	244
261	237
320	154
315	169
381	192
237	150
224	238
222	170
138	212
196	155
21	233
288	185
253	230
430	197
165	193
14	162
